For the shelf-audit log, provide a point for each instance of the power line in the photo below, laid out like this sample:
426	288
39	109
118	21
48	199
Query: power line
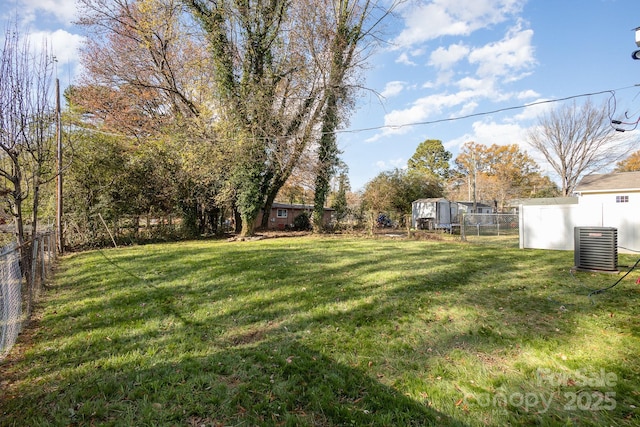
484	113
430	122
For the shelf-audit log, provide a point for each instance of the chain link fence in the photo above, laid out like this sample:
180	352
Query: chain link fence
477	226
23	272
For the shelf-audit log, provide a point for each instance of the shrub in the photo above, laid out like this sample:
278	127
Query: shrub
302	222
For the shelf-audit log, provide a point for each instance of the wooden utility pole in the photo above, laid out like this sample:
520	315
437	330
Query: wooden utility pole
59	233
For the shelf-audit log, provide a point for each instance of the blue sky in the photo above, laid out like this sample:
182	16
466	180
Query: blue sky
447	59
450	59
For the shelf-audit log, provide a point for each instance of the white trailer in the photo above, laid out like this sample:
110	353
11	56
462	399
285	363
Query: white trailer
433	214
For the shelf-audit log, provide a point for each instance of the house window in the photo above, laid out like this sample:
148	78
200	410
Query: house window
282	213
622	199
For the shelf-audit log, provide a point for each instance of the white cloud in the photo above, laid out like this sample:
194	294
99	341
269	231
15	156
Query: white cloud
385	165
425	107
452	18
393	88
489	133
531	112
467	108
64	11
446	58
526	94
505	57
64	47
399	122
470	83
404	59
63	44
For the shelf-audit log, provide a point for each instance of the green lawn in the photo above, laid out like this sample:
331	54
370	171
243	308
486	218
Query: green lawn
327	332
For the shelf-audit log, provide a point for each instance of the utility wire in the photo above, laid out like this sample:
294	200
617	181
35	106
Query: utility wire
484	113
435	121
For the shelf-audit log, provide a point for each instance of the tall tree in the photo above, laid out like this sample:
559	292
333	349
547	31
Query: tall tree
273	76
143	53
431	158
350	25
265	89
513	170
148	76
26	124
96	166
281	69
469	163
498	173
577	140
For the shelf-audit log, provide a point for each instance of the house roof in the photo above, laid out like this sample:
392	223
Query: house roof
545	201
621	181
277	205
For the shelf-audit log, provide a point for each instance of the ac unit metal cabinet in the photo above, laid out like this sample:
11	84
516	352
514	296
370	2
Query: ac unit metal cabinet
596	248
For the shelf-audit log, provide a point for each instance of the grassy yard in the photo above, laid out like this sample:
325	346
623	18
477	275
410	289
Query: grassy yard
327	332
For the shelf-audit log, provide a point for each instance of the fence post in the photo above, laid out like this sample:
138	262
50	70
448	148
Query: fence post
4	300
463	236
43	271
31	286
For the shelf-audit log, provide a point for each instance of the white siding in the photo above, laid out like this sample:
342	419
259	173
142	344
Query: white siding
551	227
608	198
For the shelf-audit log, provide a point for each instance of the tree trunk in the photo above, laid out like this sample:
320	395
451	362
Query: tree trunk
36	201
328	159
271	196
237	221
248	226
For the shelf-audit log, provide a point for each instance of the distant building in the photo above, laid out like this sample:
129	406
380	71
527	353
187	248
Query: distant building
622	187
467	207
282	215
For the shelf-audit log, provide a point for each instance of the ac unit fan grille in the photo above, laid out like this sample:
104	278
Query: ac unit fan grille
596	248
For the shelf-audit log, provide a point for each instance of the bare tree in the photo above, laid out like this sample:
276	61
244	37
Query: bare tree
577	140
26	124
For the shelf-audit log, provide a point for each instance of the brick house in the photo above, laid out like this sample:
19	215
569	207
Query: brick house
282	215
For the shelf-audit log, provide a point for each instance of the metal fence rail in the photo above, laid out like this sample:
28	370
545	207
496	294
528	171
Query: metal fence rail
23	272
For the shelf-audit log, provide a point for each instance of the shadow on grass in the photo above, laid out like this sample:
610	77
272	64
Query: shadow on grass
280	334
269	383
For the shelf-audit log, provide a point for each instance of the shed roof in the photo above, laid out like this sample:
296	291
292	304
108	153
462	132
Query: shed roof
545	201
434	199
620	181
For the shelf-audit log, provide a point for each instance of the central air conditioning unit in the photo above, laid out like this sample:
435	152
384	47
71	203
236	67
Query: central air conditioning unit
596	249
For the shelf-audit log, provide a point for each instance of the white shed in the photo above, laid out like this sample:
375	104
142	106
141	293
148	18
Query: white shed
604	200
